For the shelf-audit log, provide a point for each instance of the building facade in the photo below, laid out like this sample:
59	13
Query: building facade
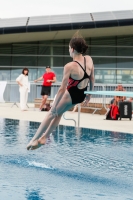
37	42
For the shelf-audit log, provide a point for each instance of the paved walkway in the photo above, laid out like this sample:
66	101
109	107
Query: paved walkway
86	120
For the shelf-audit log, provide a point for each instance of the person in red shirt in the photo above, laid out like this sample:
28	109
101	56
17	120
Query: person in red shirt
48	78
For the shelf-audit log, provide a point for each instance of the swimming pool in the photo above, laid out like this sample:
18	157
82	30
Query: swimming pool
90	164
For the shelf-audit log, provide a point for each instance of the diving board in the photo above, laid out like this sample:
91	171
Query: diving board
110	93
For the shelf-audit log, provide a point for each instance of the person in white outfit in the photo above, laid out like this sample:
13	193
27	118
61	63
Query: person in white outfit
22	81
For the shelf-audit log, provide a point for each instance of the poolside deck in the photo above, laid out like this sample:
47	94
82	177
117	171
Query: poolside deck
86	119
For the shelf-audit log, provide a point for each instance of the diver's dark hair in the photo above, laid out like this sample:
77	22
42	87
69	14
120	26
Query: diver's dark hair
78	43
25	69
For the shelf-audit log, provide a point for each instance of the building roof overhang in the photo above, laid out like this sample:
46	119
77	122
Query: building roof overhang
64	26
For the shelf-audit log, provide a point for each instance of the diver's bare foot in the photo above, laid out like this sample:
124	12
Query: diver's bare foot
35	145
31	144
42	140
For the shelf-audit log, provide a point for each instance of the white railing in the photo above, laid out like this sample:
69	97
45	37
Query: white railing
104	100
11	93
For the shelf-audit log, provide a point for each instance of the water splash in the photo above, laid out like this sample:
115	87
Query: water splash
39	165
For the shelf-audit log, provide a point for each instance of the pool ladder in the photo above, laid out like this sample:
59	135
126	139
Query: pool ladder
74	119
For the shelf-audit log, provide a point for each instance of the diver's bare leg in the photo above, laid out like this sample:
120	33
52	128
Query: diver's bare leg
42	140
42	128
64	105
54	123
46	127
52	126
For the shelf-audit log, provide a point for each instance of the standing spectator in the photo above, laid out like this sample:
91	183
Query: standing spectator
22	81
48	78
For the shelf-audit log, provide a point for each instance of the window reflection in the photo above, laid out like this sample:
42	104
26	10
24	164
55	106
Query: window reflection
113	76
5	60
105	76
40	72
15	73
32	74
109	68
24	60
4	74
59	73
44	61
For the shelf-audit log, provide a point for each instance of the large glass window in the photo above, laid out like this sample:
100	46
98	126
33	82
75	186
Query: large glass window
58	61
103	46
15	73
125	49
104	62
67	59
40	72
58	50
105	76
103	52
112	57
125	46
44	61
125	76
114	76
5	74
24	61
5	55
24	55
59	73
32	74
44	54
124	63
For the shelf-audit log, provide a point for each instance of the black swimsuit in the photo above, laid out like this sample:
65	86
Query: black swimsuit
77	95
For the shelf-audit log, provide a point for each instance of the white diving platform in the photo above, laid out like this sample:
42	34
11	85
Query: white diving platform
110	93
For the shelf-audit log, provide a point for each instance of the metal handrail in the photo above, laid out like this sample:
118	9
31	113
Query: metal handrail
69	119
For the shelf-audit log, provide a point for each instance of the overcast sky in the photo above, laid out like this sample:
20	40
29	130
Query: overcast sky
28	8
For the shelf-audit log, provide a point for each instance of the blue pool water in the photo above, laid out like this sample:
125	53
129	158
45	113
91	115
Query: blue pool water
90	164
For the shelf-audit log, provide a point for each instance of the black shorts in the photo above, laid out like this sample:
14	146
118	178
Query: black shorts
46	90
